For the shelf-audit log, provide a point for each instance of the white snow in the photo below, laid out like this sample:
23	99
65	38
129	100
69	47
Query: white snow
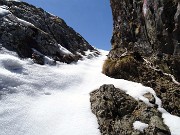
173	122
4	7
10	62
54	100
64	50
24	22
145	7
4	11
140	125
47	60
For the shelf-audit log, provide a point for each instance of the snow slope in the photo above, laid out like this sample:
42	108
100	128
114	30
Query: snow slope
3	11
54	100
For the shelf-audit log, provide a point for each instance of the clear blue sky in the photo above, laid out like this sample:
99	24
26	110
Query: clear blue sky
91	18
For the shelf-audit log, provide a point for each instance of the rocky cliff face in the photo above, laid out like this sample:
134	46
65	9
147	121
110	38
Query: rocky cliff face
117	112
146	47
34	33
147	26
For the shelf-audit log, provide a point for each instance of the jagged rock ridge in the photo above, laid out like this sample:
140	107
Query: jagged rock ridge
34	33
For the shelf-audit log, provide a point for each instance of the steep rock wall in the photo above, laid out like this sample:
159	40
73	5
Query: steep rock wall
149	26
146	47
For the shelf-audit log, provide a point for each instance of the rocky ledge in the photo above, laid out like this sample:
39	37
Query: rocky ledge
146	47
118	113
37	34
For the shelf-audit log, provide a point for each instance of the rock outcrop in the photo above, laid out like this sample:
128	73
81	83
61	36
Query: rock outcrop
146	47
117	113
35	33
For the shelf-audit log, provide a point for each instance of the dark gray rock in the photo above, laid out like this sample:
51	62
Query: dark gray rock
26	28
116	112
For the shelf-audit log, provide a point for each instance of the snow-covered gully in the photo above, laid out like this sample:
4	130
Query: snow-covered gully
54	100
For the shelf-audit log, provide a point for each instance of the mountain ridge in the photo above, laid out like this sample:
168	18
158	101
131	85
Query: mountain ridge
25	28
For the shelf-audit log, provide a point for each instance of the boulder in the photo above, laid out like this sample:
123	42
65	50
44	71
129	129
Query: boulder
116	113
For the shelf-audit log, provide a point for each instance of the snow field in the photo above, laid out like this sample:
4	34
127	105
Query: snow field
47	100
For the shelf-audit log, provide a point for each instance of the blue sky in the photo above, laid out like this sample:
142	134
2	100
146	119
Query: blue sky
91	18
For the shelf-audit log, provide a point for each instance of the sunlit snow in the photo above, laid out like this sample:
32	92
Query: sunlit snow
24	22
64	50
54	100
3	11
140	125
